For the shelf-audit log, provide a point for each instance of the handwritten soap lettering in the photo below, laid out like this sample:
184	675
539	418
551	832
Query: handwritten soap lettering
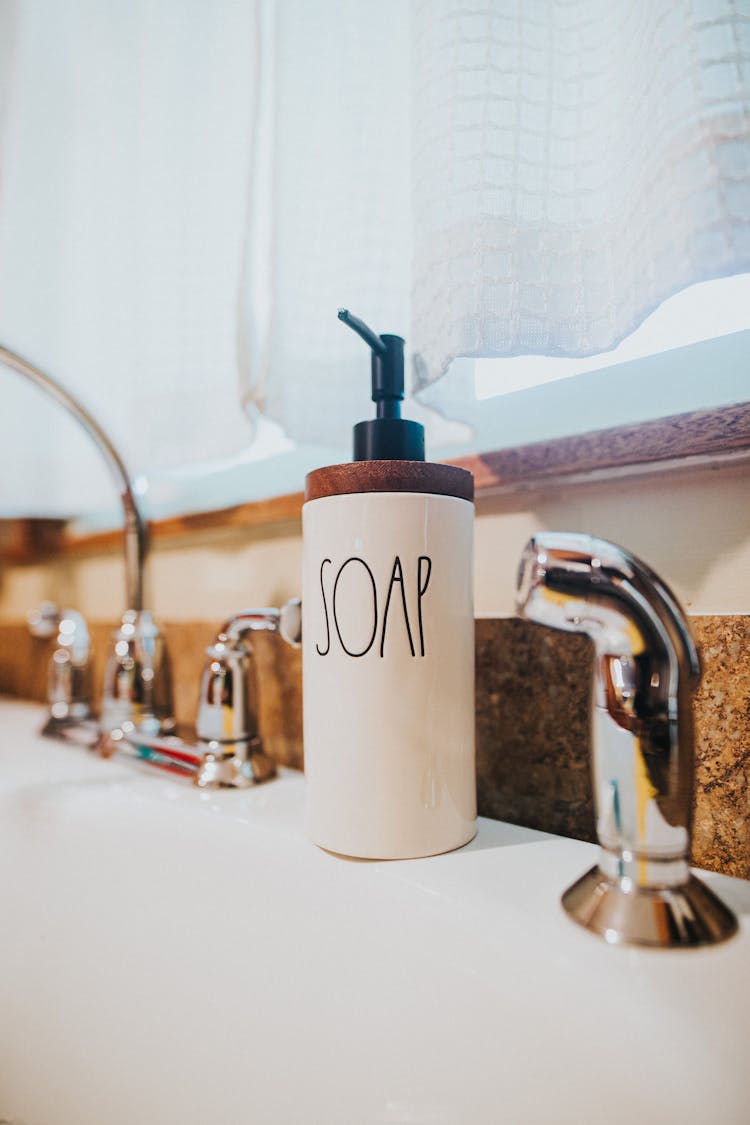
396	602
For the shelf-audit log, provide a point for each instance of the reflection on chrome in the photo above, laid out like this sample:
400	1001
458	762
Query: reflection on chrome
646	670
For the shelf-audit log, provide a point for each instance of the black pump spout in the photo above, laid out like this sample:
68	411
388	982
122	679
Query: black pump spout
387	366
387	437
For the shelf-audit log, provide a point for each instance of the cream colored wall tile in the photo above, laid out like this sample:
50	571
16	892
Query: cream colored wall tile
23	587
213	581
693	527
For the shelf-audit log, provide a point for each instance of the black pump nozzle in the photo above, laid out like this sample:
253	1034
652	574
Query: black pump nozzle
387	366
363	330
388	437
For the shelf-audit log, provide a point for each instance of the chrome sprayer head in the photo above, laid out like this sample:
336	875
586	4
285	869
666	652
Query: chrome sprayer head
646	670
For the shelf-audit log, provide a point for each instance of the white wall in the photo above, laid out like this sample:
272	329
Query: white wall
692	526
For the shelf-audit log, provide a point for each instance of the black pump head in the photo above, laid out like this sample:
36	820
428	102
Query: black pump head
387	437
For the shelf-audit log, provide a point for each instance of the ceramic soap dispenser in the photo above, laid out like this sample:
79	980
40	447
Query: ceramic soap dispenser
388	626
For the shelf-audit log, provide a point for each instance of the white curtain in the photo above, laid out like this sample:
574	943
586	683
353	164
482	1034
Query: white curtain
124	161
189	191
330	209
571	164
575	163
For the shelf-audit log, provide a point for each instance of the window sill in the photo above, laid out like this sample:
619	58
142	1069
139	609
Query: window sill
680	441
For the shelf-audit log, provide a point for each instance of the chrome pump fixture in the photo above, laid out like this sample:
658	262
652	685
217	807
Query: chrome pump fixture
137	688
642	891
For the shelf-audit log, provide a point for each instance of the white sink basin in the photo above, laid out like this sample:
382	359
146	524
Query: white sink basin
172	957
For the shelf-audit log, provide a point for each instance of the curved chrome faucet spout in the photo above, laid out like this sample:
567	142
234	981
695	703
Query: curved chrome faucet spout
646	669
138	689
287	622
136	539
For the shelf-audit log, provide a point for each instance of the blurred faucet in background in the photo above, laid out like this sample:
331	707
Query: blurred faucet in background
137	689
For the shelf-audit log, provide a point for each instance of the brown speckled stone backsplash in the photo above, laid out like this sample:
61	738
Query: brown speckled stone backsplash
533	736
532	721
532	726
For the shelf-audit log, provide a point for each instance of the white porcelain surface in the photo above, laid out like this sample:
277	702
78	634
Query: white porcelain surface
172	957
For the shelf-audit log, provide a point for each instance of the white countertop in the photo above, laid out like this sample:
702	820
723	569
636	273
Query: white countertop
172	956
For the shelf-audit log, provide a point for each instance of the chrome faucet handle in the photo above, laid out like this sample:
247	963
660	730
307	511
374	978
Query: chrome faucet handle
69	681
137	682
44	621
287	622
646	669
227	723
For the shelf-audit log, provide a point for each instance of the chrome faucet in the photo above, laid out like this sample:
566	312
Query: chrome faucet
69	686
137	687
646	669
227	725
229	752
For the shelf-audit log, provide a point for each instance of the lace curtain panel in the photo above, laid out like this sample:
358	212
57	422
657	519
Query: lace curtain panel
189	191
575	163
550	171
124	162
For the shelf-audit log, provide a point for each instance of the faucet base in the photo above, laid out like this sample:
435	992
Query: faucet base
235	765
624	913
81	732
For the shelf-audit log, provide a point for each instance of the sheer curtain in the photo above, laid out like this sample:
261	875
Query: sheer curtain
551	170
124	160
576	162
330	209
189	191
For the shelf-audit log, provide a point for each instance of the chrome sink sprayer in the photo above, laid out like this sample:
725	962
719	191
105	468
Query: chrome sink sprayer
137	688
646	669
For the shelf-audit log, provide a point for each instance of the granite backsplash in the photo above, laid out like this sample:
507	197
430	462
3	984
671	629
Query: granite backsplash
532	720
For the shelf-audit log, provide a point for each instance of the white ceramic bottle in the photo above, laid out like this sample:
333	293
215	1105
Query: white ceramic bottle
388	628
